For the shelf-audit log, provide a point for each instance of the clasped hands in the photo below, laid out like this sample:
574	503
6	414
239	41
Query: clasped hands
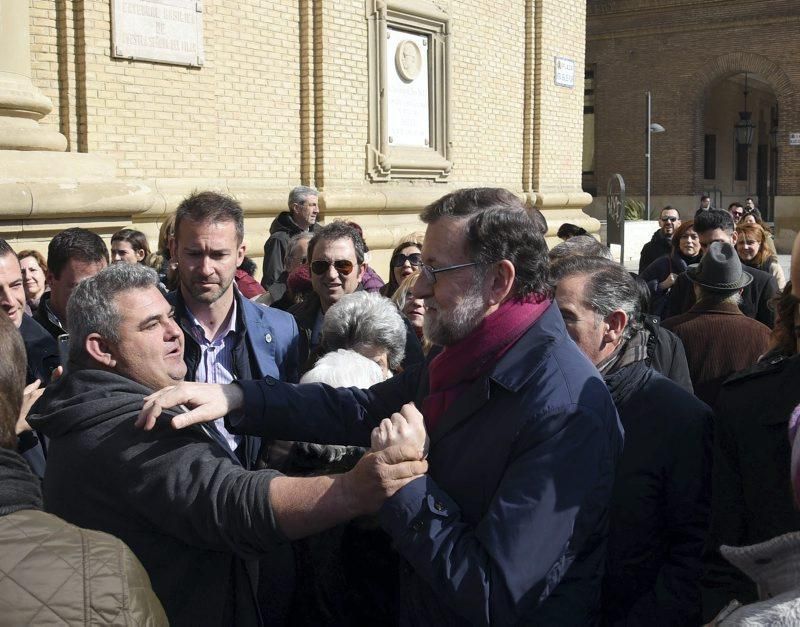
397	457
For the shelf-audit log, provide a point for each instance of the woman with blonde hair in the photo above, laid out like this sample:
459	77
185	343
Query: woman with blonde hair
34	277
751	245
412	308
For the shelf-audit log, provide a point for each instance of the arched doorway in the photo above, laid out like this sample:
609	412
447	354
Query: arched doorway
737	162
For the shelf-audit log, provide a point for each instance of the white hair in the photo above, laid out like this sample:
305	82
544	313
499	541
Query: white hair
344	368
361	320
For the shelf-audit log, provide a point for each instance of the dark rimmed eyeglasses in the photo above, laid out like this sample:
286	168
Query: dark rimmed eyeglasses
342	266
429	274
669	219
399	260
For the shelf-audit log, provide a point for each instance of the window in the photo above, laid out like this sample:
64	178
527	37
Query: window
742	154
710	157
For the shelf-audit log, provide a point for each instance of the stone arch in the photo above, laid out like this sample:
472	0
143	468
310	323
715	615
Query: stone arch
722	67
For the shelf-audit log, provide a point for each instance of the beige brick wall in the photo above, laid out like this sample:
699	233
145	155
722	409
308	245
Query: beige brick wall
283	99
560	28
235	117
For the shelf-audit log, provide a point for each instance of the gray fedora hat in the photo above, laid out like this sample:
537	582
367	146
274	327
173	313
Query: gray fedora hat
719	270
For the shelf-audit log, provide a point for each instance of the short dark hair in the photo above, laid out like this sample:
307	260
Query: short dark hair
704	197
713	219
539	220
5	248
669	208
567	230
498	227
74	244
12	380
735	204
609	286
338	229
580	245
210	207
136	239
248	265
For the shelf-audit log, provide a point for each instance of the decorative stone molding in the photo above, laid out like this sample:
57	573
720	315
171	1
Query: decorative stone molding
420	19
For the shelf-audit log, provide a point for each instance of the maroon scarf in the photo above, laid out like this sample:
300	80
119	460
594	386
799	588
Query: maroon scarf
452	370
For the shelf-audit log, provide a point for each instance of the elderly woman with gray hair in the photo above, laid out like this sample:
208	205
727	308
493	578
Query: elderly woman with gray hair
347	575
368	324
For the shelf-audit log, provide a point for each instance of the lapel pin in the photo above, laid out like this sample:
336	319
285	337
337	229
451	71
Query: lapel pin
268	337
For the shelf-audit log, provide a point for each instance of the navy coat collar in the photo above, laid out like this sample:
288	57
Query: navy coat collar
512	372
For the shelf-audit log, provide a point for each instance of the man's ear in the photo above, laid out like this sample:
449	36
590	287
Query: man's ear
139	254
240	254
98	348
615	323
734	237
502	281
361	269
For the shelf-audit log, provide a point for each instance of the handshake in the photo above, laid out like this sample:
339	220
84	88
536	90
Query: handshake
397	456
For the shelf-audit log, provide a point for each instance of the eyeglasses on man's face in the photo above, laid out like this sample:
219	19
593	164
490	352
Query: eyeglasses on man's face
342	266
669	219
429	273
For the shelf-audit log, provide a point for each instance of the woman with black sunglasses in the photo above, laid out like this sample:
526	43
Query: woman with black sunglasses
406	260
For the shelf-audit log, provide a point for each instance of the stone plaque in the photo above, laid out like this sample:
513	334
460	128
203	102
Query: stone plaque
407	87
166	31
565	72
794	139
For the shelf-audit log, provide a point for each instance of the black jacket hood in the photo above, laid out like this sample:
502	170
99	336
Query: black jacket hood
85	397
285	223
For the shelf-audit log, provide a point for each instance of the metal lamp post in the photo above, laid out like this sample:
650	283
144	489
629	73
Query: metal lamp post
650	128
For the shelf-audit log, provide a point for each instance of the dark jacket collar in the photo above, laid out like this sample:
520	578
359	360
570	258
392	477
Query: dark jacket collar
702	307
532	349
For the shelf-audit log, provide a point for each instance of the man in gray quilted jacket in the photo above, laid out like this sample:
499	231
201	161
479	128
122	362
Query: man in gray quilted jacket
52	571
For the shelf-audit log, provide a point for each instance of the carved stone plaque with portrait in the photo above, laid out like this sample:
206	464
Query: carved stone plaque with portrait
409	120
409	90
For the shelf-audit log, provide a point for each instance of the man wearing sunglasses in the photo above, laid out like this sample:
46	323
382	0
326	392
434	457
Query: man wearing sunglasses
661	242
509	525
336	260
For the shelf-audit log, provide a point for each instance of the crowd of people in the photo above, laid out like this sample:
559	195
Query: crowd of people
497	434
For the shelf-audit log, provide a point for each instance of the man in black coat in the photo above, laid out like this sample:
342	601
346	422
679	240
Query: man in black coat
661	242
301	217
659	508
195	517
751	492
716	225
40	347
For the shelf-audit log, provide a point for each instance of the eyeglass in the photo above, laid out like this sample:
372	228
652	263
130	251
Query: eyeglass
342	266
399	260
429	273
669	219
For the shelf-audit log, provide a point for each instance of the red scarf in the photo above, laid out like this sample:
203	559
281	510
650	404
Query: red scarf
458	365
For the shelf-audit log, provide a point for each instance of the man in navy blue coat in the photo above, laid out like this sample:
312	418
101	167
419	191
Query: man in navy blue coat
660	507
509	526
